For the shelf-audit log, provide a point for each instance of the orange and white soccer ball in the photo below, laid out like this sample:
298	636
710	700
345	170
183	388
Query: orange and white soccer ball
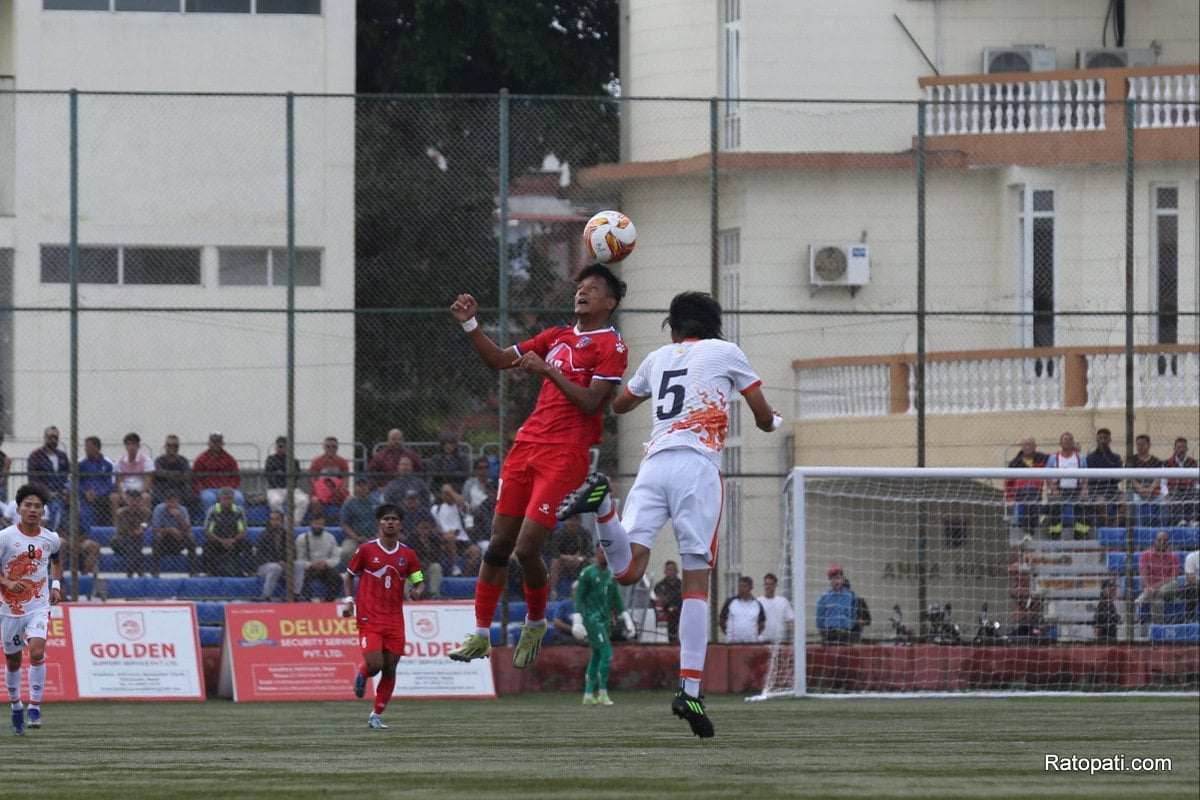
609	237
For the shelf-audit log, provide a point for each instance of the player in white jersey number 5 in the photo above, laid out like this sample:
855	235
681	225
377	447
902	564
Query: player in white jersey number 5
690	384
30	582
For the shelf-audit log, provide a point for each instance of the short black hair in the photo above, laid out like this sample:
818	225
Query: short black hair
1103	430
93	440
132	437
616	286
383	509
695	315
35	489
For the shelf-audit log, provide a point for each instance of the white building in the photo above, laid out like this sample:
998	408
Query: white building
1025	213
182	203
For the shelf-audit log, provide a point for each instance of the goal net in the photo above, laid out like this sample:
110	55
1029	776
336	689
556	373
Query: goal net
957	580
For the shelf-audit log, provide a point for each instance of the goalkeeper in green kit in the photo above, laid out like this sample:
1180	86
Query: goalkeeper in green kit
597	598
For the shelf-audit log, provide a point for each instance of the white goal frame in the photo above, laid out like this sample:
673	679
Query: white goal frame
795	544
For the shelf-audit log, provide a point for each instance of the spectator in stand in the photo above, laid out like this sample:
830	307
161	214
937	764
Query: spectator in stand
448	465
1146	494
1027	620
1025	494
226	546
95	485
1191	585
1107	618
1183	494
173	473
485	512
172	526
329	473
135	477
405	481
50	468
474	490
780	617
742	618
357	518
5	470
569	549
862	615
562	630
464	555
837	609
1158	568
668	596
1068	493
318	550
421	534
270	556
130	532
216	469
1110	505
386	462
276	471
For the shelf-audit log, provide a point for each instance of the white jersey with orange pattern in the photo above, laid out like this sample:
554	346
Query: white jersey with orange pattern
26	559
691	384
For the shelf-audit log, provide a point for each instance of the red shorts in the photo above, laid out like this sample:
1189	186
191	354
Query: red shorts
373	639
536	477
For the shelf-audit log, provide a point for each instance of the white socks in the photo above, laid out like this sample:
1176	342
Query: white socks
614	539
693	641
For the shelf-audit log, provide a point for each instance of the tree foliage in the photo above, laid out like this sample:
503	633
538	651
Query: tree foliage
427	165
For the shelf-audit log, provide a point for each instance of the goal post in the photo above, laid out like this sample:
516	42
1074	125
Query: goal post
987	580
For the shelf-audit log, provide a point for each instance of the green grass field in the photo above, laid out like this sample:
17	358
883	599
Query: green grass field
547	746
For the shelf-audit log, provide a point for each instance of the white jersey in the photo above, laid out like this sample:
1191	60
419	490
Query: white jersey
692	383
26	559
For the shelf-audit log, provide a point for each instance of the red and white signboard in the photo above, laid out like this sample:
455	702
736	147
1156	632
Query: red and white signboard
309	651
135	652
118	651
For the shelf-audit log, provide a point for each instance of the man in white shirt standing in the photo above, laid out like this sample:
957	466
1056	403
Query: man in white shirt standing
780	617
742	617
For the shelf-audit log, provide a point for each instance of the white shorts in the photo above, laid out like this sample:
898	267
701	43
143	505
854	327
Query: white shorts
16	630
685	487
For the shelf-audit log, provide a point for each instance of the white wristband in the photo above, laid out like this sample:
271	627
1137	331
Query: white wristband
776	421
56	585
470	325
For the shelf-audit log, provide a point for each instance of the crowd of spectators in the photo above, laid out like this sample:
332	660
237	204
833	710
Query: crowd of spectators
1075	506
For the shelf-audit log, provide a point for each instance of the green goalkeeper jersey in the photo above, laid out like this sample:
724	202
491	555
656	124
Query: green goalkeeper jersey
597	593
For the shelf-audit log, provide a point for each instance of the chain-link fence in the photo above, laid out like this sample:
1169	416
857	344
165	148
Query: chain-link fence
916	283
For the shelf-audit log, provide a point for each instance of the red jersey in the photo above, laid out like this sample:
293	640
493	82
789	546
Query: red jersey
381	577
580	356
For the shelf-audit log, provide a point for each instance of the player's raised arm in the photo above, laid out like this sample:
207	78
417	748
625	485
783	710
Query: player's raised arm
463	309
766	418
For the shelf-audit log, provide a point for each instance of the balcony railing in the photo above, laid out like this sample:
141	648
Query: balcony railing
984	381
1169	97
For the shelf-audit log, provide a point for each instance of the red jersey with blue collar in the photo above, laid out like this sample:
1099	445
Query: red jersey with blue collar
382	575
581	356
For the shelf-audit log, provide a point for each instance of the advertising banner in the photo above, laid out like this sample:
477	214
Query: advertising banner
132	652
309	651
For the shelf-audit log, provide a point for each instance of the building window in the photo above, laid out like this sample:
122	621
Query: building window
289	6
1036	250
261	266
732	57
133	266
1165	258
146	5
218	6
75	5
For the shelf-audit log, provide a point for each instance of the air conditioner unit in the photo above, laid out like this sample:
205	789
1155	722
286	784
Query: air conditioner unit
1113	57
1018	58
839	264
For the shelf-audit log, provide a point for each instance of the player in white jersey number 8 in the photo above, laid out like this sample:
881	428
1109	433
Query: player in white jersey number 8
691	383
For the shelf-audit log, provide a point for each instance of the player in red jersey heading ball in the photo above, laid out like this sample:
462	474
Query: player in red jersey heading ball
383	566
581	365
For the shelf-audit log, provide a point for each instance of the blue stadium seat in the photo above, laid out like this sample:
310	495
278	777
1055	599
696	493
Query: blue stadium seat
212	613
337	532
1116	561
210	636
257	513
1181	538
516	612
246	588
85	584
1181	633
102	534
457	588
201	586
153	588
253	532
175	563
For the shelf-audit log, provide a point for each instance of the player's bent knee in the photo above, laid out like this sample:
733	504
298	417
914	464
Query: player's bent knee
492	558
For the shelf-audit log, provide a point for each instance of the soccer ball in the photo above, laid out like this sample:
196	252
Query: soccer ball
609	237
